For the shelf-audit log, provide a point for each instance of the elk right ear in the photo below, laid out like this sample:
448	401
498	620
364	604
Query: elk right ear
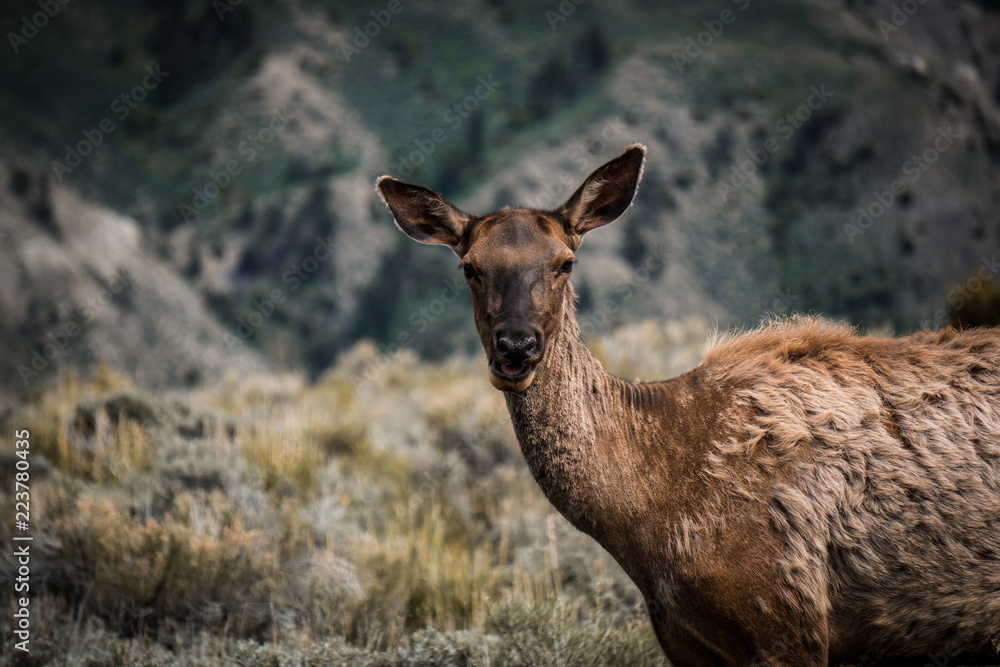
606	193
423	214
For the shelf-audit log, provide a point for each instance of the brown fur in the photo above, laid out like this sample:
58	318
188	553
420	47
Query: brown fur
805	496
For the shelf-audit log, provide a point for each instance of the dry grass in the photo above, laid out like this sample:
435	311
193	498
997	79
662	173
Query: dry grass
389	521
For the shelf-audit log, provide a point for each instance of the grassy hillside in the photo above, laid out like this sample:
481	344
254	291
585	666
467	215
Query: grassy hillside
382	515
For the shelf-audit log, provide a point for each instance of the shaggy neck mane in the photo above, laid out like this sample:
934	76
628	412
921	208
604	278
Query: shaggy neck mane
586	439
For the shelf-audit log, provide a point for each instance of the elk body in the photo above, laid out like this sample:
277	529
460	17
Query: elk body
805	496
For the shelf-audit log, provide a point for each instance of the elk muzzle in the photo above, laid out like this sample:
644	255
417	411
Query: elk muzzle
516	352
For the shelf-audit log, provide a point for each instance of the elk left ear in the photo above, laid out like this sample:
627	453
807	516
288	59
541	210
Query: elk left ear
606	193
423	214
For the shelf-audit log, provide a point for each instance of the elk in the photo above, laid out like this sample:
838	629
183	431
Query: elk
804	496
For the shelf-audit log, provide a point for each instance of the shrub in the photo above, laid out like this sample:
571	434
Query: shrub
144	574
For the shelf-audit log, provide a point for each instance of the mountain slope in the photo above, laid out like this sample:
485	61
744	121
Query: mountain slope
803	156
78	289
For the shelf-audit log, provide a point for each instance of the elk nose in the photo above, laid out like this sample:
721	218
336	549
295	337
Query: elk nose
517	347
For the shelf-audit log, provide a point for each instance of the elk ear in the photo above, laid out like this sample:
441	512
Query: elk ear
422	214
606	193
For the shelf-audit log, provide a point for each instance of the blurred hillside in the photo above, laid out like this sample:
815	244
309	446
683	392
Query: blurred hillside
269	522
225	154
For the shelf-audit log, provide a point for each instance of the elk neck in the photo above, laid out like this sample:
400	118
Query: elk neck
595	444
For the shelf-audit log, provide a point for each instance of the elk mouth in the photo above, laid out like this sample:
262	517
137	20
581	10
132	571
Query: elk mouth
511	377
510	371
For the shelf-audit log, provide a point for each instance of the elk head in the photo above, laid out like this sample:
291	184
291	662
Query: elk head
517	261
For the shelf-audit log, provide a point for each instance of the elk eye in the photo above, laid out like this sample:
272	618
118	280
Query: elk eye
567	266
470	273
